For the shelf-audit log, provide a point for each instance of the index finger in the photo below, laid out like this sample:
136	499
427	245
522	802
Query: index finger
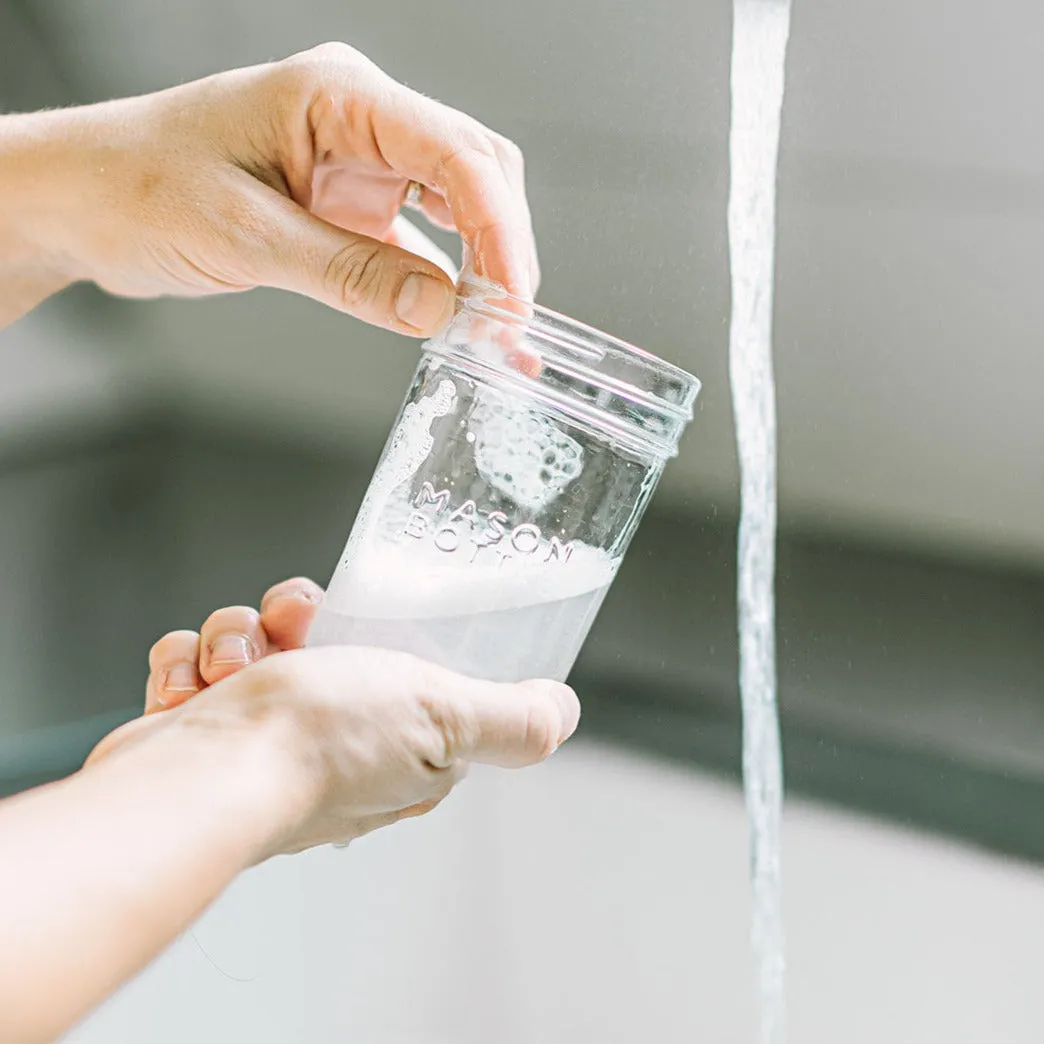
478	173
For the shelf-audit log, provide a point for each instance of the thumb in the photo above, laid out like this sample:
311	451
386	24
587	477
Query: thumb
511	725
379	283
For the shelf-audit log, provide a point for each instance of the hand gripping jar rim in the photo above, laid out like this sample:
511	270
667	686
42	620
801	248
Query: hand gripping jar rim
614	389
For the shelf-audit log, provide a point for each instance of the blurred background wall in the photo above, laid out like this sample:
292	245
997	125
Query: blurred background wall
158	459
912	173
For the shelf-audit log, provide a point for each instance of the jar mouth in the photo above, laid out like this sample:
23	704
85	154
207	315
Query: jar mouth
579	369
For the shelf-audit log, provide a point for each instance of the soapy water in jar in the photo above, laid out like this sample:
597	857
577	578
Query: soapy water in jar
512	607
501	619
521	453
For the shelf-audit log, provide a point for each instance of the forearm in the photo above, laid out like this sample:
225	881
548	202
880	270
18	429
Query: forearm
32	263
100	871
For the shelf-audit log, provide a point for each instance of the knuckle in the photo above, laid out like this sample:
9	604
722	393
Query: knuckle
327	66
238	616
308	65
451	725
336	51
164	648
333	68
465	161
509	152
294	78
353	274
483	146
540	736
471	142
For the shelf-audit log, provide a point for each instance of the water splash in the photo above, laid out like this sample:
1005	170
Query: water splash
759	44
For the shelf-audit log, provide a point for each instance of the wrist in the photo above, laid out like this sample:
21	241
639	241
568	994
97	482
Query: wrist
265	776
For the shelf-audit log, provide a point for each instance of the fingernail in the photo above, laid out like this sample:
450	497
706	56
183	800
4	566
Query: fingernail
181	677
231	648
423	302
301	594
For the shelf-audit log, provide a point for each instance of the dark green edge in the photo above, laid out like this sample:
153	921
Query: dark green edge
919	789
914	787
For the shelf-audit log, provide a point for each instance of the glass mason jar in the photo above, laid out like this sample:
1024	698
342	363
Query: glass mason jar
515	476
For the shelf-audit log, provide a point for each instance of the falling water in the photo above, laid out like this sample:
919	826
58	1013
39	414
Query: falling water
759	44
